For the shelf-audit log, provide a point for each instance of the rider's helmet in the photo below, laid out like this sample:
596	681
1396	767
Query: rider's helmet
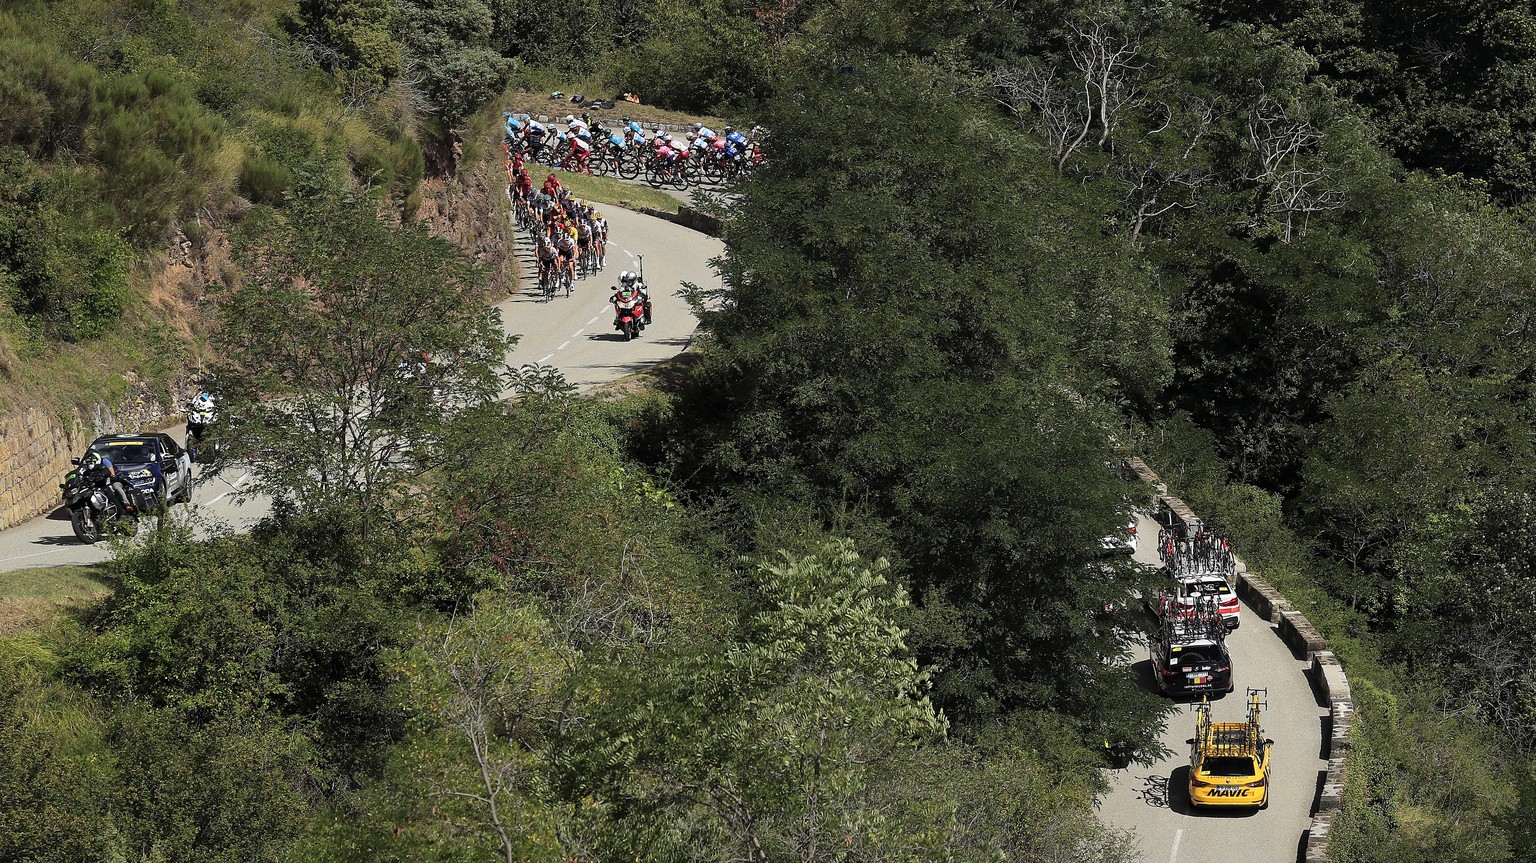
697	126
91	459
729	129
627	278
596	214
692	136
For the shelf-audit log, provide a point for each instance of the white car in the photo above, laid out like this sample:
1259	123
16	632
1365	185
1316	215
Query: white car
1211	590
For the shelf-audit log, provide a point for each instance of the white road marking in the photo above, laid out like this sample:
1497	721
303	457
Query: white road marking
563	344
577	334
594	320
1173	856
543	358
628	252
39	553
233	487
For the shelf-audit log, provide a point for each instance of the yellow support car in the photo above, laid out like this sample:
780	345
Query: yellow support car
1229	761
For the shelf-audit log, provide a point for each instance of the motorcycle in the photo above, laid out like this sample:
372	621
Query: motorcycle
95	508
628	318
201	443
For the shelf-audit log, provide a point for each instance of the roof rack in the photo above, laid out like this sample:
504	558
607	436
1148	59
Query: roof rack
1179	624
1233	738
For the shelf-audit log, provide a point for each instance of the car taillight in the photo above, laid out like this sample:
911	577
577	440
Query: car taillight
1169	672
1200	783
1223	669
1259	784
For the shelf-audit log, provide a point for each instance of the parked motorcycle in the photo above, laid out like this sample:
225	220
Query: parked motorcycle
95	507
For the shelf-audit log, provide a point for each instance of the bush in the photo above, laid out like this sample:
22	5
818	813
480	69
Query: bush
68	275
46	99
263	180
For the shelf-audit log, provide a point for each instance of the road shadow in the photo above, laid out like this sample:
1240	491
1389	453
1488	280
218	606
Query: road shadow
1142	671
1154	790
611	337
60	514
70	539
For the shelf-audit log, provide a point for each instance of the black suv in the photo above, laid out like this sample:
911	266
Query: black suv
1190	656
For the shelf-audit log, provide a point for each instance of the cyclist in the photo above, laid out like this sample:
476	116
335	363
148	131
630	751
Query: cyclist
522	186
535	135
583	236
581	154
565	247
545	251
600	238
634	135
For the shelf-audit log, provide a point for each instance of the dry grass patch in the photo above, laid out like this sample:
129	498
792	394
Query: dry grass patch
32	598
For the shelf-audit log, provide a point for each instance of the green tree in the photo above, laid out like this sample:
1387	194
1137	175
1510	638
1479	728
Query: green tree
768	749
449	46
62	269
347	348
354	38
931	336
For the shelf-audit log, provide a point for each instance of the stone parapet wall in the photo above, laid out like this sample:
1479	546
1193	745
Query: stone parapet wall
1304	640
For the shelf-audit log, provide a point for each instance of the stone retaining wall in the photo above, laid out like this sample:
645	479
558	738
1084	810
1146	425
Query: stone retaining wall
1303	639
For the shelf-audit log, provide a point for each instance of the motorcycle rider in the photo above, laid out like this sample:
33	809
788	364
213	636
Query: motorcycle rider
630	279
100	471
625	298
202	413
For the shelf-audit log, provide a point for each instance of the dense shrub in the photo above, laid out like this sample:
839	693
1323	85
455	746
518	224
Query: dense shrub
264	180
66	274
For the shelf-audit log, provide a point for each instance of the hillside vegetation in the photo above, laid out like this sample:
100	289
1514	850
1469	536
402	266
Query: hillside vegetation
836	593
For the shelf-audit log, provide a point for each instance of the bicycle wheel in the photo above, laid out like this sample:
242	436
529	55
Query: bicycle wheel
655	175
628	167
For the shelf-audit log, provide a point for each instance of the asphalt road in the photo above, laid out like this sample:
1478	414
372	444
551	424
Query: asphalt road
48	540
573	334
1153	801
576	335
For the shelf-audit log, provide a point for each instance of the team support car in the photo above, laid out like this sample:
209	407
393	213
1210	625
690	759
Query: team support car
1229	761
1190	655
1190	594
153	463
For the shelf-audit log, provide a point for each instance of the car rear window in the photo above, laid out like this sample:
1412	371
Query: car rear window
1229	765
1189	657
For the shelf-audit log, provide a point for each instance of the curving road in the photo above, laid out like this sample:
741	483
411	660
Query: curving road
572	334
575	335
1153	801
